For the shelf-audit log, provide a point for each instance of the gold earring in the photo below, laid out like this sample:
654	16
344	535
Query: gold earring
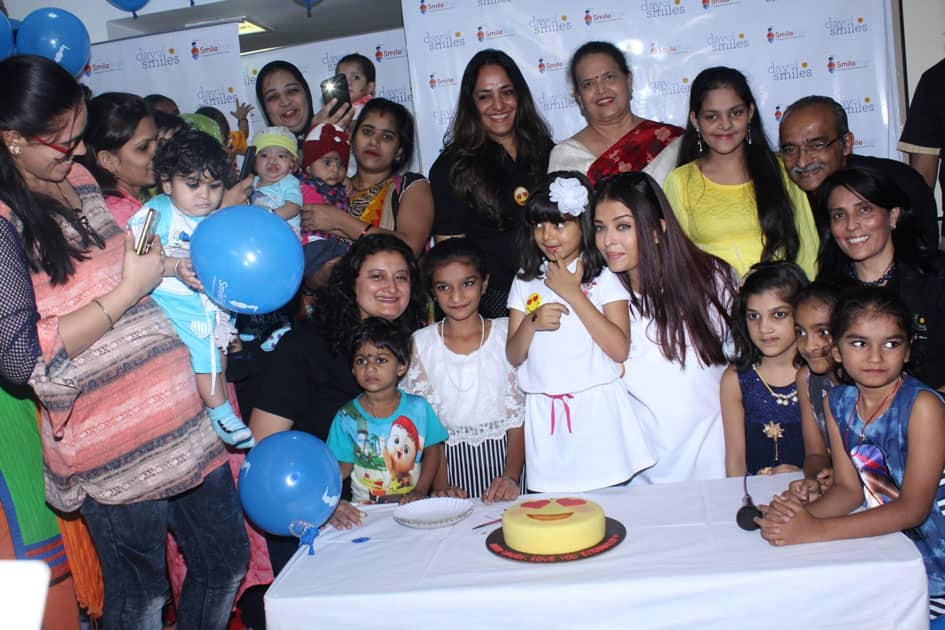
13	148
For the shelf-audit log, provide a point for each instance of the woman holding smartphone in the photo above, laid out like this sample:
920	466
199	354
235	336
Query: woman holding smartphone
118	406
286	100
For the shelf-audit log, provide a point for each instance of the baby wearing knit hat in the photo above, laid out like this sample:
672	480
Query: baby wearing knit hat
276	188
325	161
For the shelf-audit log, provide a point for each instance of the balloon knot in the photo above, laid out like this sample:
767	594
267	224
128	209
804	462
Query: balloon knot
308	539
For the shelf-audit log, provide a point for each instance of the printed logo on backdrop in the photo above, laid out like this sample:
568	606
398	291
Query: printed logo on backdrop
489	32
721	42
778	113
717	4
661	8
841	26
599	17
551	65
854	106
330	61
542	24
399	95
864	143
436	81
443	117
103	67
663	50
216	97
790	71
201	48
443	41
434	6
249	80
776	34
556	101
842	64
381	53
490	3
668	87
157	58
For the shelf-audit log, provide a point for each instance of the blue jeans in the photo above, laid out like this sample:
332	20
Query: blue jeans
207	522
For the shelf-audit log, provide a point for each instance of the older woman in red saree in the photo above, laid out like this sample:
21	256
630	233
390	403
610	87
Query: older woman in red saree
615	139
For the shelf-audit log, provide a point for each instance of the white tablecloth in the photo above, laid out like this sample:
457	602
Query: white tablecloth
684	564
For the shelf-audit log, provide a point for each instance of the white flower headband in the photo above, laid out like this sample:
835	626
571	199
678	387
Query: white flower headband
570	195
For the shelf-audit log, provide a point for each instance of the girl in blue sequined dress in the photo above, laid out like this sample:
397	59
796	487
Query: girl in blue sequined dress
760	412
886	434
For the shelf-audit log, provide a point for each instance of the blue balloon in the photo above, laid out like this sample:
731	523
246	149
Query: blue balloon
248	259
128	5
289	483
55	34
6	37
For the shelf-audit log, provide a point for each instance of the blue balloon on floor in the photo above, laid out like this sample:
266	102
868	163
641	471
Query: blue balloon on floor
55	34
248	259
289	483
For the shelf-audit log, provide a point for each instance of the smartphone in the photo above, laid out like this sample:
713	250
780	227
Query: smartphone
143	246
335	87
247	168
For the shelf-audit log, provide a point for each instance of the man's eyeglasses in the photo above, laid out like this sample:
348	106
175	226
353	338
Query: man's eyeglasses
66	151
814	146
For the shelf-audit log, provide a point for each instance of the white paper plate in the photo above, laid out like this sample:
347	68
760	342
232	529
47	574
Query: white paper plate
433	513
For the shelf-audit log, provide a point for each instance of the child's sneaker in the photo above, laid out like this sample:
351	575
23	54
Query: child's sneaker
230	428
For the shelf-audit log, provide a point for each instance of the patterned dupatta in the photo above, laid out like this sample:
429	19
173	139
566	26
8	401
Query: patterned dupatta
634	150
376	204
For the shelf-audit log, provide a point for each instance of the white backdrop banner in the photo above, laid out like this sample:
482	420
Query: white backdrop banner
317	62
786	48
195	67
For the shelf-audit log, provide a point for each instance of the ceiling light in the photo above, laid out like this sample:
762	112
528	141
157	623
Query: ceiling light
248	27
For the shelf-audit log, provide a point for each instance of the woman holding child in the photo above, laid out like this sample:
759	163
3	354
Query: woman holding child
382	198
308	376
615	139
75	304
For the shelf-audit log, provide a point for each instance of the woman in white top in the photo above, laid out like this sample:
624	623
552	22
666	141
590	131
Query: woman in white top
679	329
459	366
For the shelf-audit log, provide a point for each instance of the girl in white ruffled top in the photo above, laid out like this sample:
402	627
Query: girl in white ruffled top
459	366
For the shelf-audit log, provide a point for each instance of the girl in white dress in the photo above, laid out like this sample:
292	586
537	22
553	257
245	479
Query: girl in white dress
679	330
568	335
459	366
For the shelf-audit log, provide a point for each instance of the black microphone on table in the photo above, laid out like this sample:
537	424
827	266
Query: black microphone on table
745	517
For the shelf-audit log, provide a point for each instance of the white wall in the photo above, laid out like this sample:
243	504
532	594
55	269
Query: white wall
924	31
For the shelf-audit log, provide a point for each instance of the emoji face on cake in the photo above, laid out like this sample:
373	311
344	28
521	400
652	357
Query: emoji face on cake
553	525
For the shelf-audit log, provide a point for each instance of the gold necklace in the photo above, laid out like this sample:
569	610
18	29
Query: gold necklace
782	399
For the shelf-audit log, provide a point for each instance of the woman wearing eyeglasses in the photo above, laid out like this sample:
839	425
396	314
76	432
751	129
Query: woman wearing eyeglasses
125	436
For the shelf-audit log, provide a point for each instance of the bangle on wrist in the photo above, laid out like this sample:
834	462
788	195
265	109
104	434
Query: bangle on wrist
111	322
365	230
507	478
177	269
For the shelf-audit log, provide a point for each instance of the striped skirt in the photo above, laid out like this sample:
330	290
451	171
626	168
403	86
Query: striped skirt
473	468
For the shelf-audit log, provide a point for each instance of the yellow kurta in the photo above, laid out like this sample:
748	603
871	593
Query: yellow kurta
722	219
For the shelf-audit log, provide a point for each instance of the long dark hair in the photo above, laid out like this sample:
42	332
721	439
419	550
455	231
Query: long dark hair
477	164
336	312
39	91
775	210
541	209
113	119
685	291
785	278
268	69
403	122
882	191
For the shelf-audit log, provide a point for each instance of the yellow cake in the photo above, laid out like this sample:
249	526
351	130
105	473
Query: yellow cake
553	526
